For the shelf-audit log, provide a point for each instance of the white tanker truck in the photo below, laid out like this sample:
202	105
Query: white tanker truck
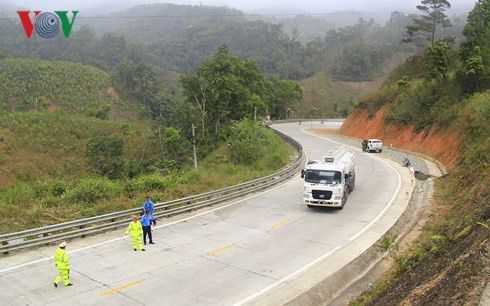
328	182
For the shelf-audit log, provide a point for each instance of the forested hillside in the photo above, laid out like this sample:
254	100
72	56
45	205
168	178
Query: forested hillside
438	103
76	141
179	37
40	85
174	39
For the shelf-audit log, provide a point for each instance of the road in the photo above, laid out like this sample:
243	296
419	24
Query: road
222	256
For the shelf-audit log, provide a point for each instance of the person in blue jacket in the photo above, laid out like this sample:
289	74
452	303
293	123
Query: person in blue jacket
145	220
149	208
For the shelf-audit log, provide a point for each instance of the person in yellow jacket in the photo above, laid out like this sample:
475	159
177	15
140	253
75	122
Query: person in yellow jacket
62	262
135	230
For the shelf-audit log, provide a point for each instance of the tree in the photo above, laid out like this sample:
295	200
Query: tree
438	60
475	50
359	62
424	27
282	95
176	147
225	89
139	82
104	154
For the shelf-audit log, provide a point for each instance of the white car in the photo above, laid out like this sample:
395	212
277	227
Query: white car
372	145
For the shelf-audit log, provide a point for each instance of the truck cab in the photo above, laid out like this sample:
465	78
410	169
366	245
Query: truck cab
328	182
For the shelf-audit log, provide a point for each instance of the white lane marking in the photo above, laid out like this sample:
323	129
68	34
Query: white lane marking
314	262
157	227
287	277
386	207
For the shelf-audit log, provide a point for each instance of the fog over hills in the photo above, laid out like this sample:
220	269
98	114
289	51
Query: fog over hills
267	6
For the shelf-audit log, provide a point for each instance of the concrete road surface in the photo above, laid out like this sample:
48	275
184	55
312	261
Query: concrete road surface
221	256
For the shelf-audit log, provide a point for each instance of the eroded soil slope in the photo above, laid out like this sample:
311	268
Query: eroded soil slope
444	146
450	265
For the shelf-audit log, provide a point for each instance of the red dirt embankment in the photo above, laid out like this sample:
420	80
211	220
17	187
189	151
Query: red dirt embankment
442	145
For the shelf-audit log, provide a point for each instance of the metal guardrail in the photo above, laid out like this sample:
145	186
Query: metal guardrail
308	120
97	224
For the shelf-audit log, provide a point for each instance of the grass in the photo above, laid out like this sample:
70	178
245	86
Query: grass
37	200
330	98
386	243
41	145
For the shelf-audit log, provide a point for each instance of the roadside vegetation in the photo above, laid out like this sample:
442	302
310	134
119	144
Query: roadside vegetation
445	88
77	141
55	179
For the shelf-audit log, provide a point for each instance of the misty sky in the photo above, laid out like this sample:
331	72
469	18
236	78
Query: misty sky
312	6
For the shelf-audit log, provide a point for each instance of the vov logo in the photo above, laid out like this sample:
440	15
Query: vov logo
47	24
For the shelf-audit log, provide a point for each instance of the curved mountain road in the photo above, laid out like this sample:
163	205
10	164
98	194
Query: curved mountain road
231	254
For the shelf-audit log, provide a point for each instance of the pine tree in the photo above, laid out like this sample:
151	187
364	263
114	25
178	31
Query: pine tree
425	25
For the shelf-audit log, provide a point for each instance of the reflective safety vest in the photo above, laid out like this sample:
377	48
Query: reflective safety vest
61	259
135	229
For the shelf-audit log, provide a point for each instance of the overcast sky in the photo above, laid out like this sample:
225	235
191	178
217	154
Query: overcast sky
313	6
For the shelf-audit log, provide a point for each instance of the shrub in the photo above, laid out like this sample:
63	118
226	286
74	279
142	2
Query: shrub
246	142
373	102
101	111
105	155
176	147
150	182
313	113
134	168
57	188
188	177
166	166
92	189
414	106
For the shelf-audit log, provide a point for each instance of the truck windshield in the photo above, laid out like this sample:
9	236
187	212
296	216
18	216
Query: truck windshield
323	177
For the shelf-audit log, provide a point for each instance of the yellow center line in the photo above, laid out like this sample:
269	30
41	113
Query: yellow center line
280	223
117	289
220	250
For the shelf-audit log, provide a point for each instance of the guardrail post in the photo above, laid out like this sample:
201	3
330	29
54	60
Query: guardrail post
5	243
44	235
82	227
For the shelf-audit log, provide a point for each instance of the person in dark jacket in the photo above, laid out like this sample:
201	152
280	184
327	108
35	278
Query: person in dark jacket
146	223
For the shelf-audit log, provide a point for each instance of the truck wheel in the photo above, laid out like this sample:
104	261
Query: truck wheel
344	199
380	151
